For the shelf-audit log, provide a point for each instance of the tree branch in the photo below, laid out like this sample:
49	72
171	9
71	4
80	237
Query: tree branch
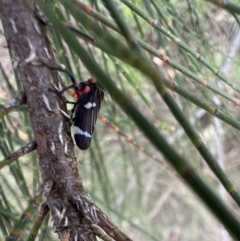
73	213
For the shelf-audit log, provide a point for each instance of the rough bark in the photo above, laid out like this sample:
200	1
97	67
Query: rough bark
74	215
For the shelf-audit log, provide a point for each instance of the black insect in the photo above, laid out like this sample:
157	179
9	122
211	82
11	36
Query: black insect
85	110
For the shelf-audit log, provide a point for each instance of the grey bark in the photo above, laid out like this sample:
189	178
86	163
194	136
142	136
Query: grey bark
74	215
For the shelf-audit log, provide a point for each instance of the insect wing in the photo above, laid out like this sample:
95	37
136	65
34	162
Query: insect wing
86	113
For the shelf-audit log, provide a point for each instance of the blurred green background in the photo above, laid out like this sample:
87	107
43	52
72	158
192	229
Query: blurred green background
141	193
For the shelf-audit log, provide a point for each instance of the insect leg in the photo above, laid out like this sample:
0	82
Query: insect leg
59	68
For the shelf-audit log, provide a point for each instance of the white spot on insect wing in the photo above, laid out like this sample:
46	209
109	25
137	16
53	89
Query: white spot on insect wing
32	54
78	131
46	101
90	105
13	26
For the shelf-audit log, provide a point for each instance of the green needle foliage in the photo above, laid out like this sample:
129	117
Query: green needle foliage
171	90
